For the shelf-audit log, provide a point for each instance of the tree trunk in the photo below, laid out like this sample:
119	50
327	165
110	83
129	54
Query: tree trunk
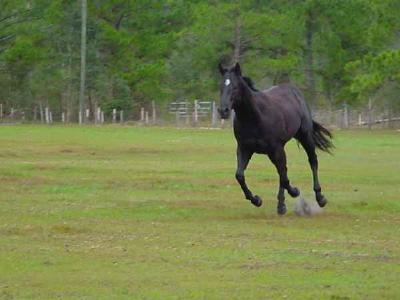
309	59
83	60
68	105
237	44
110	88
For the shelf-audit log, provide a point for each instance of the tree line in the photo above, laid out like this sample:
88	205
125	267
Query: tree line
140	51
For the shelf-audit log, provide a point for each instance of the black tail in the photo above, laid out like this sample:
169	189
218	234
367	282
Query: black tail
322	137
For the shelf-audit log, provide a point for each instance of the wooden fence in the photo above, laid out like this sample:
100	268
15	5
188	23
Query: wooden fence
197	113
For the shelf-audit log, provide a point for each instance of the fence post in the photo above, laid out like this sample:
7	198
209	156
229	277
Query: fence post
12	112
50	117
345	116
121	116
95	112
1	111
359	119
34	114
102	117
41	112
80	117
63	117
370	113
153	106
214	115
147	117
196	116
177	117
114	115
46	113
142	114
87	115
187	113
98	115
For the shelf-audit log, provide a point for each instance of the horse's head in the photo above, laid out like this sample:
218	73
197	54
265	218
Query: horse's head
229	89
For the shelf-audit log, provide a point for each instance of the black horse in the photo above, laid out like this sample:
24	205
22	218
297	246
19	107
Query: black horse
264	122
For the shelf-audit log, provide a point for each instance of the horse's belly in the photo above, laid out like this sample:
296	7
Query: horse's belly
256	145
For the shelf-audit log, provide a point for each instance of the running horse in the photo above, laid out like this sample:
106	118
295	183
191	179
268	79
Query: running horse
264	122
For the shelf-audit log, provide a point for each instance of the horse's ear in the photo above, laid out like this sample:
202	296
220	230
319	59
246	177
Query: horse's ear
237	69
222	70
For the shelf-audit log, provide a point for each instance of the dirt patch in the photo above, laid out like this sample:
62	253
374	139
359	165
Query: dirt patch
21	231
67	151
7	153
66	229
144	150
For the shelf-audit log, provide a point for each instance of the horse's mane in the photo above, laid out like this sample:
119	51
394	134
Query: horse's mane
250	83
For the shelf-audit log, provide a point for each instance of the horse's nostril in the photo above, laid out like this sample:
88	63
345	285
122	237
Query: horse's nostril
226	109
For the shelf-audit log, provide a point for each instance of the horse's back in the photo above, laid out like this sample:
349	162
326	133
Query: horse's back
284	91
287	100
284	97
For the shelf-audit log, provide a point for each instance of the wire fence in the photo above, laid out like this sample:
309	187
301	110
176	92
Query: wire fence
197	113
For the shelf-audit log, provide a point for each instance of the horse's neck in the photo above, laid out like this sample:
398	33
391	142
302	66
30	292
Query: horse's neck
245	108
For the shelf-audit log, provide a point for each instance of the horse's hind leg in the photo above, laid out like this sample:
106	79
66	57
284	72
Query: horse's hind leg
309	146
278	158
243	158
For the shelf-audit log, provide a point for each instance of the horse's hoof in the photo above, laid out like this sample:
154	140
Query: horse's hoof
256	201
281	209
294	192
321	200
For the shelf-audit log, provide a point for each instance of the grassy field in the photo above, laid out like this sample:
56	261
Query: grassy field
155	213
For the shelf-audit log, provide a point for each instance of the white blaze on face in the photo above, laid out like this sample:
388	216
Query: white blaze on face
227	82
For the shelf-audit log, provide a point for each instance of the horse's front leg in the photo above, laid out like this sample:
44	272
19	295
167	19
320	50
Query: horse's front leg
278	158
243	158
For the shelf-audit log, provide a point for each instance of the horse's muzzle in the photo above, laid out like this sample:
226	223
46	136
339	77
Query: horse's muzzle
224	112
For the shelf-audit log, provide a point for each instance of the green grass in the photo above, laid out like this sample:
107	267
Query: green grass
155	213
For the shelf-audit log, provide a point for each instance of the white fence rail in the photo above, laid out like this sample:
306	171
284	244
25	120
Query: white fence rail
196	111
